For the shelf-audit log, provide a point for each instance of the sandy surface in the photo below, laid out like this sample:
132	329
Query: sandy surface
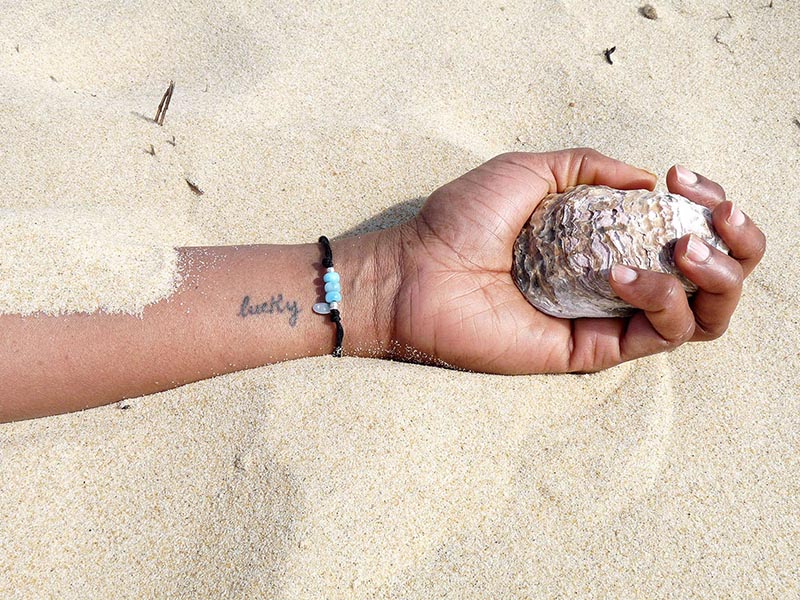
673	476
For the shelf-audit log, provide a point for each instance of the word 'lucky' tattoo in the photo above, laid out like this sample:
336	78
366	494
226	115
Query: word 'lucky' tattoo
276	304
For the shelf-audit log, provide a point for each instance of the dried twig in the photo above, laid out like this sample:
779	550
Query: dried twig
608	53
194	187
719	40
164	105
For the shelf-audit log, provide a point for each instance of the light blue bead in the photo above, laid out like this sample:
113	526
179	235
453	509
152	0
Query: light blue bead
332	276
333	286
333	297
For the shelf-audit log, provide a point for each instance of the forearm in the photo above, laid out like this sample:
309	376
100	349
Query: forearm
237	307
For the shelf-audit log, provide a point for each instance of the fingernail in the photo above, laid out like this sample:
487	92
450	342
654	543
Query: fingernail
696	250
623	274
685	176
736	217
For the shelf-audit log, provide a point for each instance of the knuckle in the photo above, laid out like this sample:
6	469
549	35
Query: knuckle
726	279
577	160
709	331
575	151
507	156
685	335
761	245
736	275
513	158
676	335
586	155
711	334
669	294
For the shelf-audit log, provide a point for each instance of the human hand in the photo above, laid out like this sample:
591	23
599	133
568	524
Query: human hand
457	302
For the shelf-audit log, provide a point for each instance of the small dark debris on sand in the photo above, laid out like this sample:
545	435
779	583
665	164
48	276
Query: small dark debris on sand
648	11
608	52
721	42
151	151
164	105
194	187
797	121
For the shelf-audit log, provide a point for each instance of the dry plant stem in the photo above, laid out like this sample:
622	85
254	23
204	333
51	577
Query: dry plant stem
164	104
194	187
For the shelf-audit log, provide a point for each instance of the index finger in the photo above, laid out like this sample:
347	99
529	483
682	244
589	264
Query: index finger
575	166
697	188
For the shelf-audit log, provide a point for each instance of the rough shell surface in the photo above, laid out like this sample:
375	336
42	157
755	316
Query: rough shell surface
564	254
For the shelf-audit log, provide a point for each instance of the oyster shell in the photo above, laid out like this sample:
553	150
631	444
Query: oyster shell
563	256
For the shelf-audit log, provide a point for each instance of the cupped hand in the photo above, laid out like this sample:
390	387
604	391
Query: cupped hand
457	302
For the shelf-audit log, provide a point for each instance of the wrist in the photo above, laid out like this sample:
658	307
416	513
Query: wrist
369	267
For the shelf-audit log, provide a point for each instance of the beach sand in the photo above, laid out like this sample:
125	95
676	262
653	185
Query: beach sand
673	476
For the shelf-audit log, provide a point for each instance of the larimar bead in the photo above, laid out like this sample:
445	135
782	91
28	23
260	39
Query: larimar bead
322	308
333	297
333	286
330	276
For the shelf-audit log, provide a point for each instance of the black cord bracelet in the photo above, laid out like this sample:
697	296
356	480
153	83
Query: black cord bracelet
333	295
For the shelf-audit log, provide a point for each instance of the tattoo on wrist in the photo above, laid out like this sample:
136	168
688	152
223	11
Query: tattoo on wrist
275	305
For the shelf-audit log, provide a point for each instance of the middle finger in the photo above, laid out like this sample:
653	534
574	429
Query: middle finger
719	281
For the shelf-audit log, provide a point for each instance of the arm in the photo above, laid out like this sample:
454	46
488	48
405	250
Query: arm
216	322
437	288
